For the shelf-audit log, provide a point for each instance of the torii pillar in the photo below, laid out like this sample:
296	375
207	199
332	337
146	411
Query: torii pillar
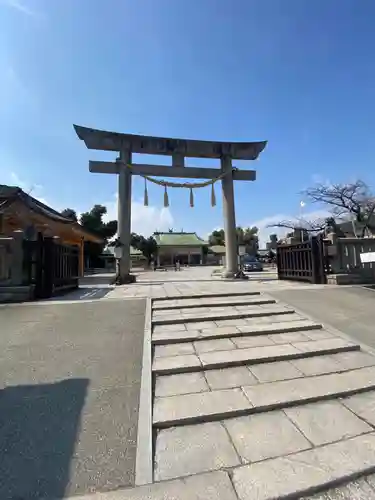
178	149
229	213
124	216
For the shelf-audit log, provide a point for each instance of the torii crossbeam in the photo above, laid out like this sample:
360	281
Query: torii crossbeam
178	149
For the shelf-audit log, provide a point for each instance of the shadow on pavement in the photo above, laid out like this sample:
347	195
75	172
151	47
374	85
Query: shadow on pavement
38	430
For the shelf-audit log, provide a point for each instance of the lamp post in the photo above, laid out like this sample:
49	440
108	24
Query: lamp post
118	251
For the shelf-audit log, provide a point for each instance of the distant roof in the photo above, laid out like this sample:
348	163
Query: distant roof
114	141
10	194
218	249
178	239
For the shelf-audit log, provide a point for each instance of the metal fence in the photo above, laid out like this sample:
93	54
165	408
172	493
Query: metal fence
304	261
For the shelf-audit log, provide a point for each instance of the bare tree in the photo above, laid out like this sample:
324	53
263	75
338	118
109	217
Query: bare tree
354	200
310	226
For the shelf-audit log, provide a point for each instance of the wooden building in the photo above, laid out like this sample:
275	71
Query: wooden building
20	211
188	248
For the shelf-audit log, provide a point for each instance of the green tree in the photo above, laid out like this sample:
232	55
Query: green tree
217	237
147	246
245	236
69	213
93	222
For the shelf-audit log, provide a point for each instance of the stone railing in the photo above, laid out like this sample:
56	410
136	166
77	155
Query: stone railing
344	257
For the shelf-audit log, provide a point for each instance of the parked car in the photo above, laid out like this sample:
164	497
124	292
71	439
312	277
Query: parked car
252	264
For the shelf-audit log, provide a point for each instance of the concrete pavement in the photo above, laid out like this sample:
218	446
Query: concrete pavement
350	309
70	377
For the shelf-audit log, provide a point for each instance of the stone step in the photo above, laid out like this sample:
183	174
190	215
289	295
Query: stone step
232	377
226	302
309	471
164	365
222	404
179	335
254	312
203	296
191	449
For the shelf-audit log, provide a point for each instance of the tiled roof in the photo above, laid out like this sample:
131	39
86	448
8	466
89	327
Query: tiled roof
9	194
178	239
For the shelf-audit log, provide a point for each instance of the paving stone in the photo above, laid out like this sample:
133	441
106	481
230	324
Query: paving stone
355	490
202	315
222	359
231	322
213	345
222	330
171	337
229	377
308	389
268	435
271	372
319	334
208	486
326	422
178	327
173	363
353	360
275	318
174	349
167	319
181	383
289	338
252	341
298	473
192	449
324	345
195	407
317	365
362	405
200	325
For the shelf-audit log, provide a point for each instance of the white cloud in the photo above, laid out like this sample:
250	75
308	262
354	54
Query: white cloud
144	220
22	7
34	190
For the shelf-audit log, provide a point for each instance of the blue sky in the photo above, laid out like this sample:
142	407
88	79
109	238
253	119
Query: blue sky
298	73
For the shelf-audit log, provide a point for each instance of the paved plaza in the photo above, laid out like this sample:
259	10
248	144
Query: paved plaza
241	395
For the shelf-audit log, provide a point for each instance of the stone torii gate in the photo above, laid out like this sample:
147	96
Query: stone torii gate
179	149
